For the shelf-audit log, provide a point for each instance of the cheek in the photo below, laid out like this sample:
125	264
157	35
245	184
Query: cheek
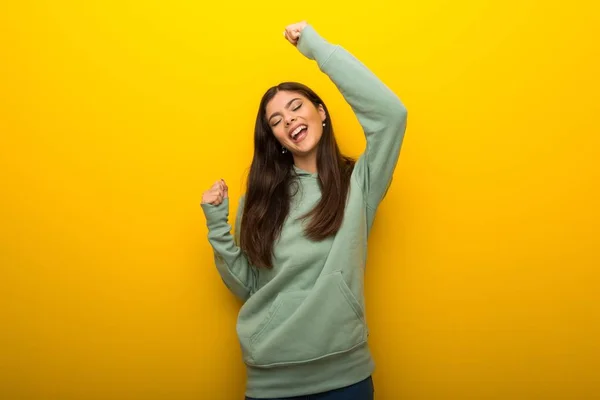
279	133
319	130
315	118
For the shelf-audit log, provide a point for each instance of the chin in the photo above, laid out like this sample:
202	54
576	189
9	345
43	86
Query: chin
307	148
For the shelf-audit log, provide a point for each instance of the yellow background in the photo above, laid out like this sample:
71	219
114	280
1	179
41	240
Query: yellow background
115	116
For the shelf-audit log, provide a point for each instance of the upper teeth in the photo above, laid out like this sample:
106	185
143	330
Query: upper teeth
297	130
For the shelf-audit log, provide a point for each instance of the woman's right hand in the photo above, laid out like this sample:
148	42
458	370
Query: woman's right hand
216	194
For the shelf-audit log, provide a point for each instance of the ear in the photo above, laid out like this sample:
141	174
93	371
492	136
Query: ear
322	112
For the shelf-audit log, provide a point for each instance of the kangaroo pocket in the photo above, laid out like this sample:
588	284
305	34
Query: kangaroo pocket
307	325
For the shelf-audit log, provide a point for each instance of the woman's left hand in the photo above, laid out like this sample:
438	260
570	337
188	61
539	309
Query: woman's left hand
292	32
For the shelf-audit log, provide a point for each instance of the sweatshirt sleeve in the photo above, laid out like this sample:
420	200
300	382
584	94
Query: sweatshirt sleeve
233	266
379	111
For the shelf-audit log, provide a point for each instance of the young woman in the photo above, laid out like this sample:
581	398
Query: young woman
298	256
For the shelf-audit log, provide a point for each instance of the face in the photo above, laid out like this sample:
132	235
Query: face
296	122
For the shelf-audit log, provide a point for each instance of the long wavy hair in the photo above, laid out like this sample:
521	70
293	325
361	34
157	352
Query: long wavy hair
271	177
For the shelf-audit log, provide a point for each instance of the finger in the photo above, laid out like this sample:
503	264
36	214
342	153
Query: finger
287	36
290	36
208	199
216	198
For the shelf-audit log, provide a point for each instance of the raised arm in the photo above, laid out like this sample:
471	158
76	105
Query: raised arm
380	112
233	266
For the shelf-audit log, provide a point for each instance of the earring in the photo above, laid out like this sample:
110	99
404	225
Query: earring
283	150
323	123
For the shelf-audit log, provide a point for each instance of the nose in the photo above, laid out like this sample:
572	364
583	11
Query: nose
289	120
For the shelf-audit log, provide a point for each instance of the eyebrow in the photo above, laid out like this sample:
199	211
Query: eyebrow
286	106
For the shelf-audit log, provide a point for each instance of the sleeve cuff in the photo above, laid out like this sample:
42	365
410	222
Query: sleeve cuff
313	46
217	213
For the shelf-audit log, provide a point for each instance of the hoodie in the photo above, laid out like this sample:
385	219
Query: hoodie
302	326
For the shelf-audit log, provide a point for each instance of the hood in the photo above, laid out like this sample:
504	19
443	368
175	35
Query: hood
305	174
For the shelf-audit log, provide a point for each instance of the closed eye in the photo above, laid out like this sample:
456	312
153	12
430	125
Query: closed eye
294	108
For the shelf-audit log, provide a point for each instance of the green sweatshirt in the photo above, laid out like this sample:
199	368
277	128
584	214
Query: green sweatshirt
302	327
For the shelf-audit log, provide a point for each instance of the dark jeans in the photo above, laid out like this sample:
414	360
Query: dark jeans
363	390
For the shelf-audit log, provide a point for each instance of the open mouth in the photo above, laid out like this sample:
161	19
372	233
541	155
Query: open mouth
299	133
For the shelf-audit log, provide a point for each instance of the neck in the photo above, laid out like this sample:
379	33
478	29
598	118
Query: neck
307	163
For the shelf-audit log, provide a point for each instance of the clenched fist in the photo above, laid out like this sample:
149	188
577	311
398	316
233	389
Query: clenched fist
292	32
216	194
